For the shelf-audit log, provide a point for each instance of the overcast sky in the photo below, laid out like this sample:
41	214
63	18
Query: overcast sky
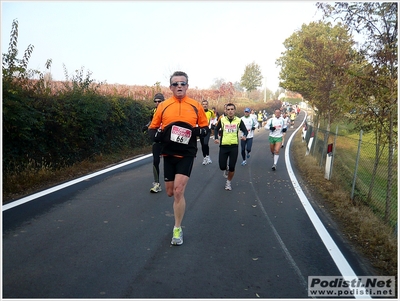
143	42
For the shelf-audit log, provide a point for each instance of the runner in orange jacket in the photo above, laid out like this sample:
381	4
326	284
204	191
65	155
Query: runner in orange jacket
177	123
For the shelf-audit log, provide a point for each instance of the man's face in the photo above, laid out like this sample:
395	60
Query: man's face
246	113
205	105
179	86
230	111
157	101
277	113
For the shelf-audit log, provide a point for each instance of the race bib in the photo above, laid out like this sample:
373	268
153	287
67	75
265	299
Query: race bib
230	128
180	134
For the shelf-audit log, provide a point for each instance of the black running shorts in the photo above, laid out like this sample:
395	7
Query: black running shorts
174	165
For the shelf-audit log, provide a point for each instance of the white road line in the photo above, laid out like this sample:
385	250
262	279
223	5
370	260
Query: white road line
61	186
337	256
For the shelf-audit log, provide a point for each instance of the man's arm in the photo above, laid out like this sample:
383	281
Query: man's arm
243	128
155	124
217	128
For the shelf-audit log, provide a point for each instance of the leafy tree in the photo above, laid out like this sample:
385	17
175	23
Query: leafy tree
252	77
315	59
372	84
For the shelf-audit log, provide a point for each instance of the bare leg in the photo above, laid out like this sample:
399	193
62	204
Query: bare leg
272	148
177	190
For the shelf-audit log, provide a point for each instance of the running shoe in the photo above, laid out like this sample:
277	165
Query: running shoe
244	163
228	185
274	167
177	237
156	188
248	155
205	161
226	173
208	160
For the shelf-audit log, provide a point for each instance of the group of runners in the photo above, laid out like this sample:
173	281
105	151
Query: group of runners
179	120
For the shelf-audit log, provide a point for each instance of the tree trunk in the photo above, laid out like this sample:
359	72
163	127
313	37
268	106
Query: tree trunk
390	168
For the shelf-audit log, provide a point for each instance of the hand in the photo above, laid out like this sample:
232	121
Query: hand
272	128
203	132
284	130
158	136
253	128
216	141
200	132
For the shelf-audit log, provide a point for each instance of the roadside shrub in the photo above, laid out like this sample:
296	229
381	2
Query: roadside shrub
71	127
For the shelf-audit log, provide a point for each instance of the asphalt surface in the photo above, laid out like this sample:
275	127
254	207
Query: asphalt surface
109	237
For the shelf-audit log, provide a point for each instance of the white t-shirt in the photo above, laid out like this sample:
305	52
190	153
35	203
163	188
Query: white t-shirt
249	123
279	124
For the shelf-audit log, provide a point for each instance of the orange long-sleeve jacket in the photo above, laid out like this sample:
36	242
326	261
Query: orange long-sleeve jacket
180	121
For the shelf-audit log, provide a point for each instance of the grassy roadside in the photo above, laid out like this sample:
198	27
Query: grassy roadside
368	235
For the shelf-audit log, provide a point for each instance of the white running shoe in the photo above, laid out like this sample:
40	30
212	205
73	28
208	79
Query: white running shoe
208	160
228	185
226	173
156	188
177	237
244	163
205	161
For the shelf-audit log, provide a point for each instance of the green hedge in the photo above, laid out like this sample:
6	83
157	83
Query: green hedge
50	131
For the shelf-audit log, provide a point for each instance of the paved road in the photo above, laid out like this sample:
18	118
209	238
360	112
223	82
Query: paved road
108	237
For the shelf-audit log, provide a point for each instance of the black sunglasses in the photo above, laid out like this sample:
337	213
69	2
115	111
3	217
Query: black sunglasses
157	101
177	83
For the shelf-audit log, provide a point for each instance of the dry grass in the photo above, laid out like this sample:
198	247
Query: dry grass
28	182
368	235
360	227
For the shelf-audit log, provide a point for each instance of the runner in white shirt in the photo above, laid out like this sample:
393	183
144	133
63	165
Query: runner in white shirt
254	116
287	120
246	145
277	126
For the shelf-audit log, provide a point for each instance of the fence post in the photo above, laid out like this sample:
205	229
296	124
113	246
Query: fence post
310	140
329	157
356	167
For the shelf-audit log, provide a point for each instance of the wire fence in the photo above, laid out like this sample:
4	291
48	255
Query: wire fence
362	167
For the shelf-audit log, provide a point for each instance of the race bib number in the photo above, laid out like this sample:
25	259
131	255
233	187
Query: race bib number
180	134
230	128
